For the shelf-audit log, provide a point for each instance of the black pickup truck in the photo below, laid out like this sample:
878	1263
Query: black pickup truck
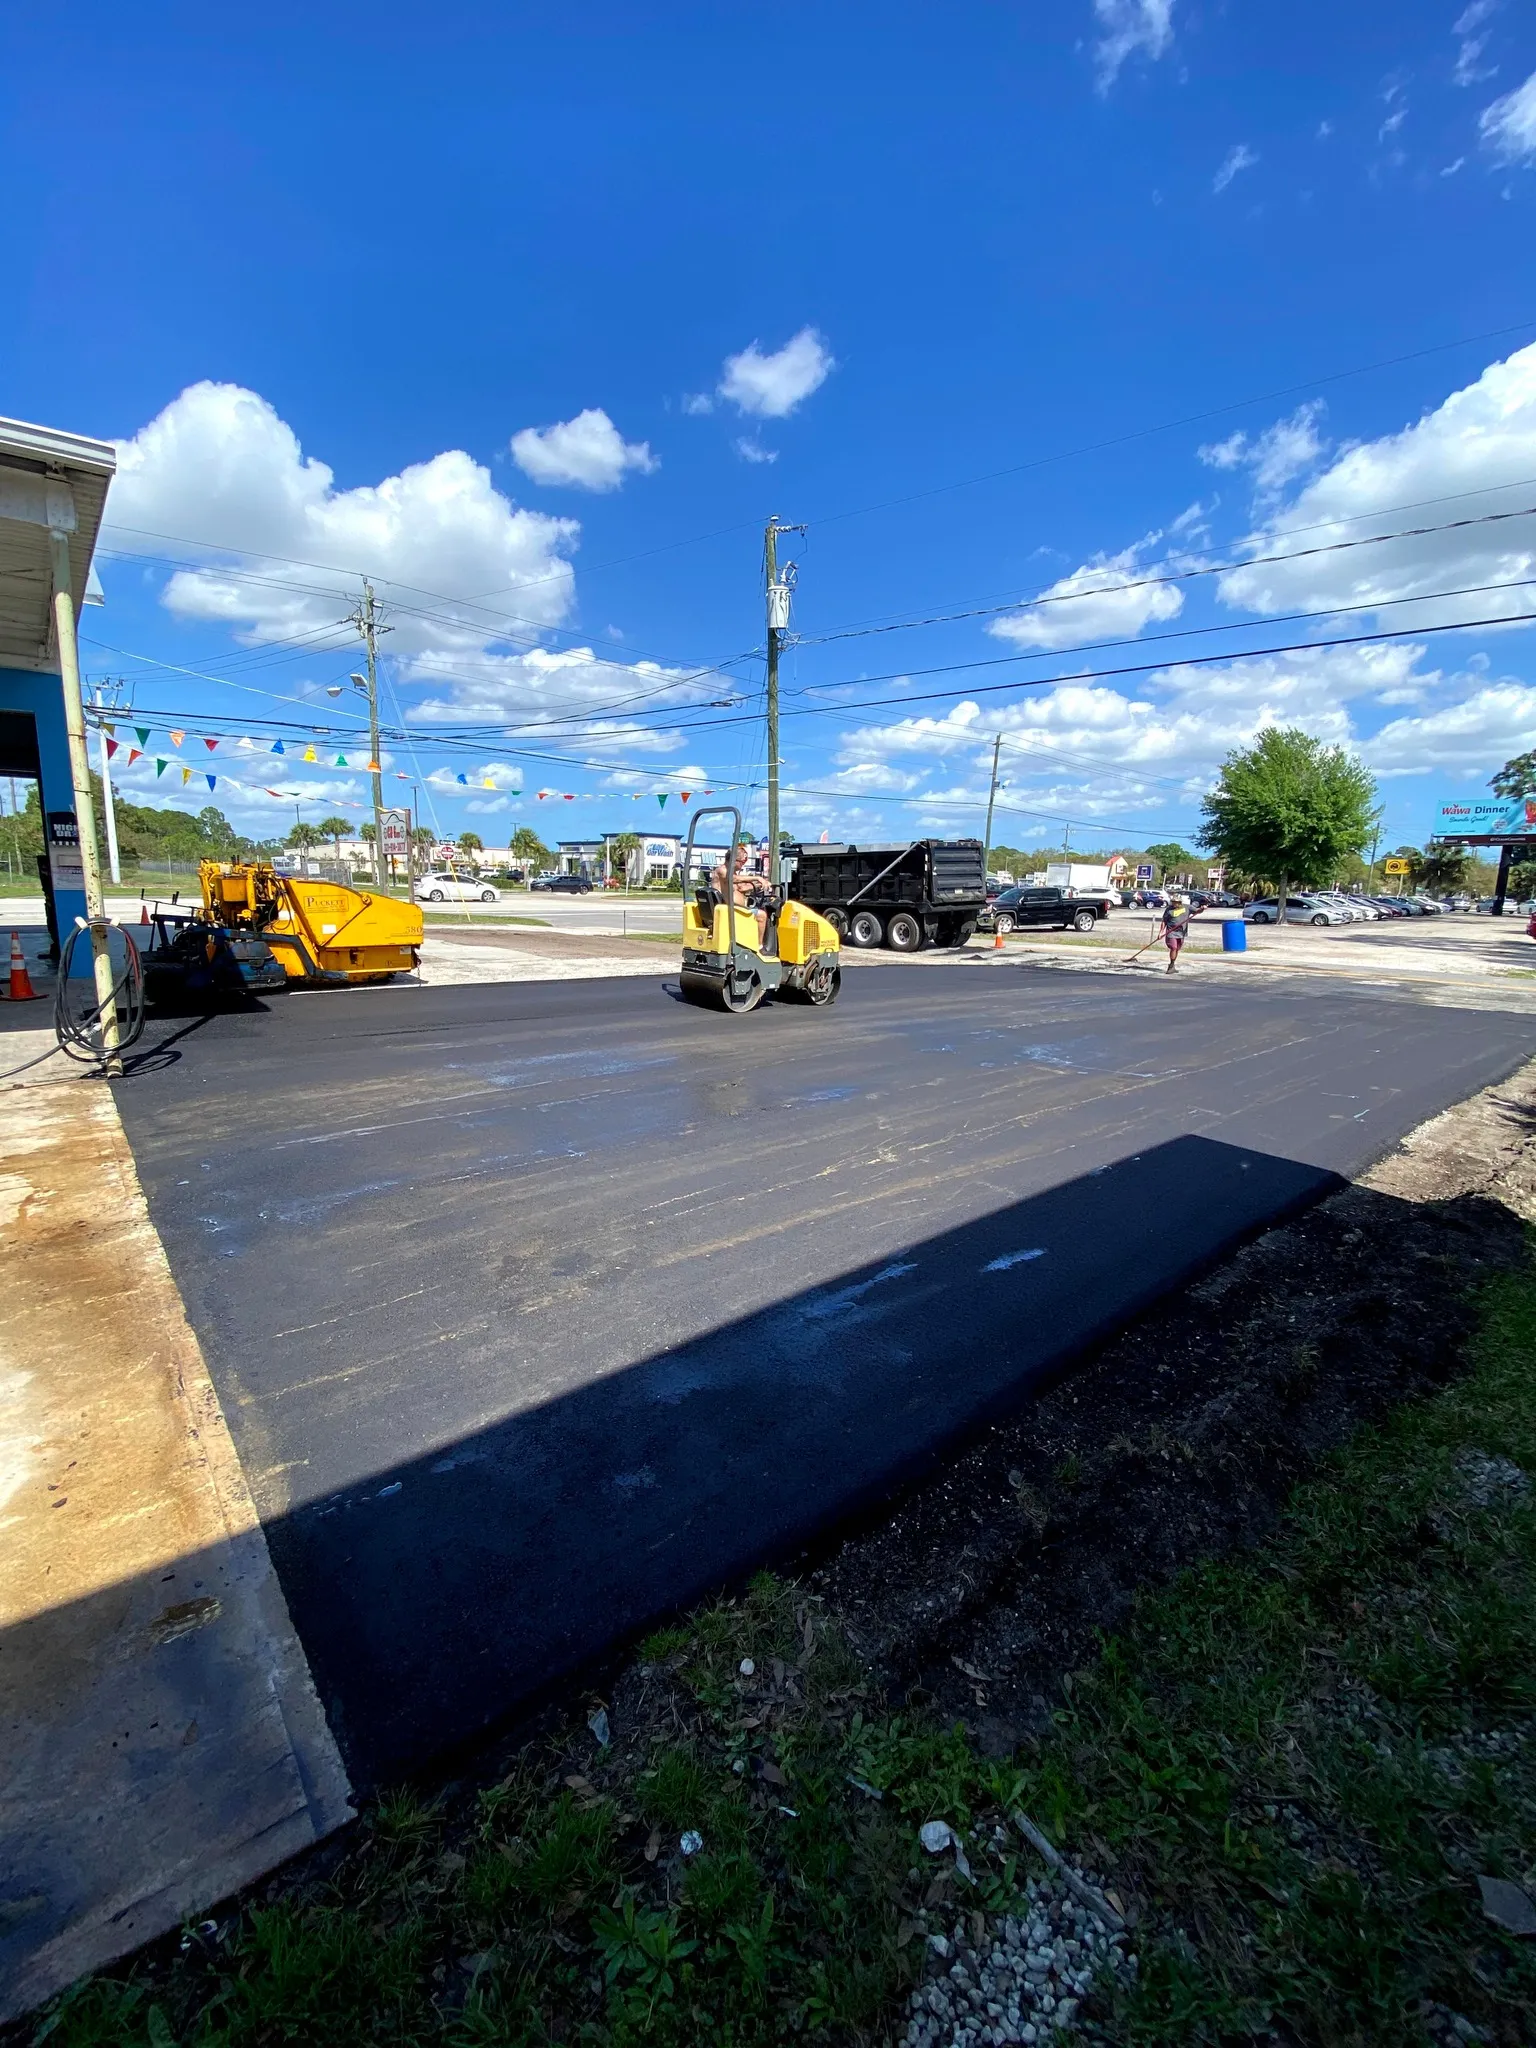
929	892
1059	908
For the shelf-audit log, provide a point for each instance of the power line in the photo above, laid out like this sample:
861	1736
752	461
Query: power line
1051	596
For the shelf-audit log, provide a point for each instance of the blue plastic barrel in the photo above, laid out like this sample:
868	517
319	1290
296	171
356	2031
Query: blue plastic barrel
1234	936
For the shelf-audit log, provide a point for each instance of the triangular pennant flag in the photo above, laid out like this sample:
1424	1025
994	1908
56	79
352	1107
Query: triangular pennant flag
662	801
278	747
310	754
133	755
489	782
247	744
213	782
111	748
462	778
210	744
686	794
160	767
341	761
541	796
274	792
177	738
570	796
375	769
142	734
110	727
186	777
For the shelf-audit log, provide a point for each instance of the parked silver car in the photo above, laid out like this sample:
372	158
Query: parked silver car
1298	910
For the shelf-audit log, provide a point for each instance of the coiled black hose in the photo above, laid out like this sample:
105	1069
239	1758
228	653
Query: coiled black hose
74	1034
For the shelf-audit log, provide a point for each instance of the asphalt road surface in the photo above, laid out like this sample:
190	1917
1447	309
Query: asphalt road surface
538	1310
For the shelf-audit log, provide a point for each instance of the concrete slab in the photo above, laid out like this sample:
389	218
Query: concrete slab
163	1742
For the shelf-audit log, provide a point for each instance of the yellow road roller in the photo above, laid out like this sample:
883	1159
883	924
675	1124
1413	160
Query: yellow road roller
727	963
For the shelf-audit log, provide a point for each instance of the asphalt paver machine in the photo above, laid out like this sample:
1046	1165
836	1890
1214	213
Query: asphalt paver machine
257	931
725	963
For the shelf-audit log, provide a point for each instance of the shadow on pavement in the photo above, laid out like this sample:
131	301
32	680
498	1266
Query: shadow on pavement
443	1592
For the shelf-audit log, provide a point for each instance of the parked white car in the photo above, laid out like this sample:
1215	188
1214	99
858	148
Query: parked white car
443	886
1298	910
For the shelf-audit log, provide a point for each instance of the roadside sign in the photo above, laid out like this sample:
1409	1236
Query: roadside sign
397	833
1395	867
64	856
1144	871
1215	876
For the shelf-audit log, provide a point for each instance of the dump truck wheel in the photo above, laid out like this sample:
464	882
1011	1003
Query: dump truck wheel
903	934
864	929
838	919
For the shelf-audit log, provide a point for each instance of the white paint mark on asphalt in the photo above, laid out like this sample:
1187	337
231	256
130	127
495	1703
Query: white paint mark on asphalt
386	1492
821	1306
1009	1259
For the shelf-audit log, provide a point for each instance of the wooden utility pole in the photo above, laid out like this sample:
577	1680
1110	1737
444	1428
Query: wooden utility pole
85	808
365	618
778	590
986	851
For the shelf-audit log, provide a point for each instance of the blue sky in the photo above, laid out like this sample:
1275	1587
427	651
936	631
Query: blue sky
536	322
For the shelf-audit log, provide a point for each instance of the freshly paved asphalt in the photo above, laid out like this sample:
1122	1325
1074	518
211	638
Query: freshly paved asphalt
538	1310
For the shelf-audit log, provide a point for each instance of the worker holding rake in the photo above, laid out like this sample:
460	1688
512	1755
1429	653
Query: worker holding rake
1172	929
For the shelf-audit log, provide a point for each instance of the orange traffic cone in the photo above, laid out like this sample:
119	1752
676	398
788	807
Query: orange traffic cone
22	990
143	913
997	942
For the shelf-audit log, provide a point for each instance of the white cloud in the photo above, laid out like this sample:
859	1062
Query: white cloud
1275	456
1129	28
588	451
1469	66
750	449
697	403
770	387
1092	604
1482	437
587	687
1469	738
1508	126
1449	170
220	469
1239	158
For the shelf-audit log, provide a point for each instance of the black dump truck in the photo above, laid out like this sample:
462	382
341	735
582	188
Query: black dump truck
929	892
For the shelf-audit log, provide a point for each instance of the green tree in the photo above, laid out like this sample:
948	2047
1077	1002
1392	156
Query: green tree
335	829
1516	777
302	836
1169	858
1443	870
622	848
471	842
368	833
1289	809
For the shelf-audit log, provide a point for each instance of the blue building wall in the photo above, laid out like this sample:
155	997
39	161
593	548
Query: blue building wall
43	695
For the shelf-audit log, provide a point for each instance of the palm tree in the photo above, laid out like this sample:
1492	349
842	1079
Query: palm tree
303	836
622	848
529	849
335	829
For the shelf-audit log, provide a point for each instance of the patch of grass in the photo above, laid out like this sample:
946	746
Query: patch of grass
1305	1758
1295	1762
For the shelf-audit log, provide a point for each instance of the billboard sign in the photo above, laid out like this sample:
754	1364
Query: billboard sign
1487	816
397	833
